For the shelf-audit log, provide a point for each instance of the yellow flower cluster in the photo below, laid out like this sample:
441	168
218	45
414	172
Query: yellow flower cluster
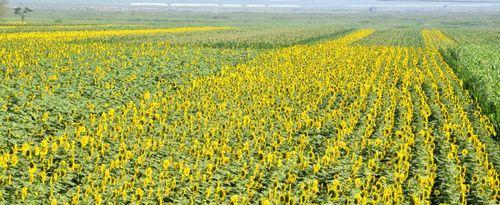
8	27
84	34
326	123
436	39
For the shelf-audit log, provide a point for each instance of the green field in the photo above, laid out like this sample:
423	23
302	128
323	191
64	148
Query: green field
476	60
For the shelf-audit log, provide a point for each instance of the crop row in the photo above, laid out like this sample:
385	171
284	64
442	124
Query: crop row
85	34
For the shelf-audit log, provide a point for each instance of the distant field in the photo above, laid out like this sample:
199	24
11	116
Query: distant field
399	37
249	19
249	109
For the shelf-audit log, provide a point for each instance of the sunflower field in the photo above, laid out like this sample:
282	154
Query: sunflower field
223	115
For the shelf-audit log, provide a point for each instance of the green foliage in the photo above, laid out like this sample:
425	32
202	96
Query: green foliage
476	60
